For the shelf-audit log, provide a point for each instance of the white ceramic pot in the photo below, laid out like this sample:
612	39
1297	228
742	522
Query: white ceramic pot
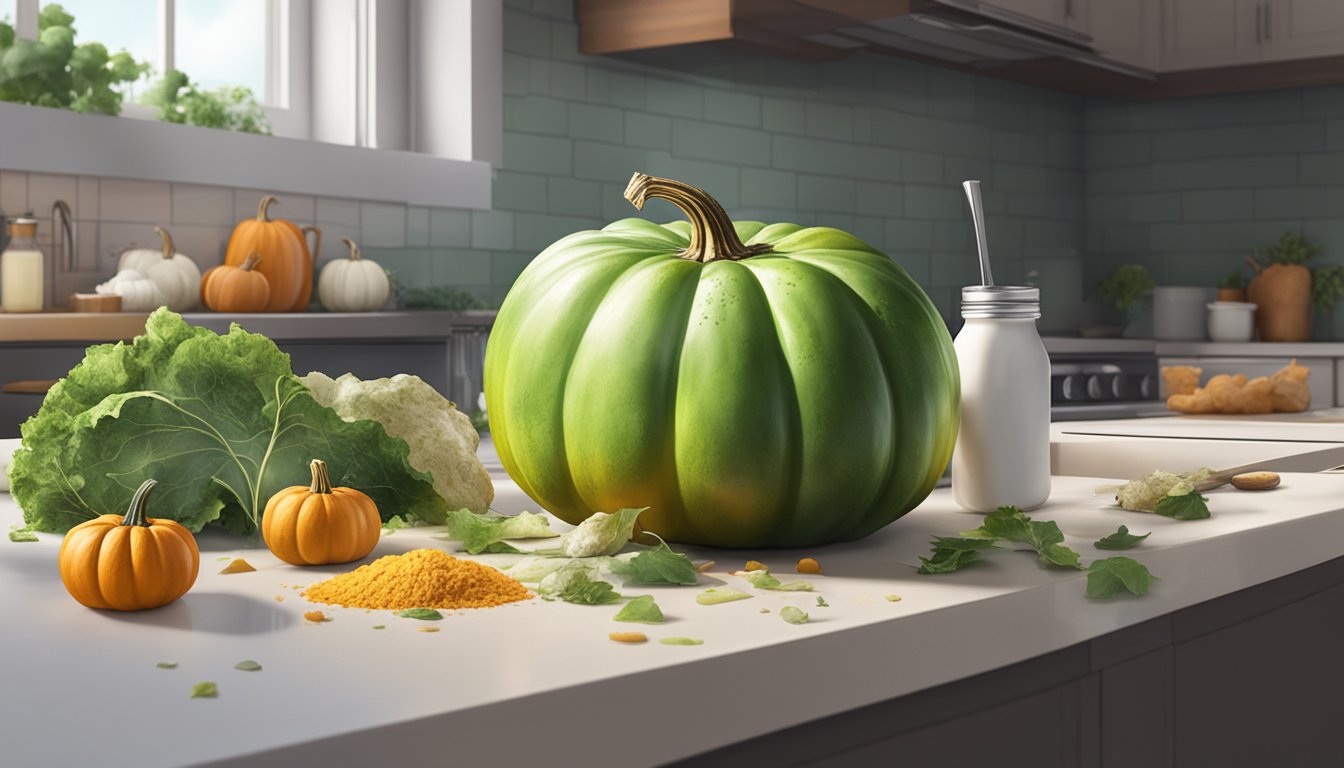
1231	320
1179	313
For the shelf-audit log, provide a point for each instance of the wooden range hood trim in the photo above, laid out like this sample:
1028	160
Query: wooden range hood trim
780	27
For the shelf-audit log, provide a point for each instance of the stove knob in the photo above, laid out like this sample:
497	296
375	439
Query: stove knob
1148	387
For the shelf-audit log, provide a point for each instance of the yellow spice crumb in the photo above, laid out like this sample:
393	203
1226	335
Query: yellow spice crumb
279	598
894	598
315	616
427	629
755	565
421	578
238	566
808	565
705	566
629	637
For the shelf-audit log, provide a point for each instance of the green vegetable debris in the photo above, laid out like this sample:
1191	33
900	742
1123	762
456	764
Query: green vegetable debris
1013	525
423	614
659	565
952	553
716	595
167	665
1112	575
1121	539
22	535
204	690
394	524
1143	494
681	641
247	665
601	534
220	421
577	582
793	614
1185	506
485	533
642	609
764	580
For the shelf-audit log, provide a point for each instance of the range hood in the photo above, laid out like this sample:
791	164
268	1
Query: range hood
973	34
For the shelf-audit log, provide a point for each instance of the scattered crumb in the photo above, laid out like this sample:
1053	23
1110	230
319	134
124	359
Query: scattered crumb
755	565
317	617
380	626
705	566
629	637
279	598
808	565
167	665
681	641
821	602
893	598
765	610
1256	481
427	629
239	565
223	558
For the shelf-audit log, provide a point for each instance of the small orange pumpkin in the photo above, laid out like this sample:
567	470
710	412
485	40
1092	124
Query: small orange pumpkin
131	562
285	260
236	289
318	524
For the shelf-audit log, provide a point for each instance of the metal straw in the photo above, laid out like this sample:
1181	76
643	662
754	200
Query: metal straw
978	217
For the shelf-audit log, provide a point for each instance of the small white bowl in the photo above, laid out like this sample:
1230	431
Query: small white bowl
1231	321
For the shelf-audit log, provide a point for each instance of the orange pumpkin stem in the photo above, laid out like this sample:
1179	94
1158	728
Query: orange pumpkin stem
135	514
168	248
321	480
251	262
712	234
262	213
354	248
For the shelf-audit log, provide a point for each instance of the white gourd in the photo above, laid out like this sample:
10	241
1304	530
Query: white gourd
138	293
175	274
352	285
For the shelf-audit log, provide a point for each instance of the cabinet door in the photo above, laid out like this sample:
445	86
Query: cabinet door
1301	29
1127	30
1201	34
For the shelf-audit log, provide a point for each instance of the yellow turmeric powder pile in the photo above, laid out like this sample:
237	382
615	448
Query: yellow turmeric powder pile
421	578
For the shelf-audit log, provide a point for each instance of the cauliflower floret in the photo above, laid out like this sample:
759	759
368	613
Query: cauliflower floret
1143	494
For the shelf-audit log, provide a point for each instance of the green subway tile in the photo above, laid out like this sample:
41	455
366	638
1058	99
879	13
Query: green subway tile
1154	206
880	198
506	267
606	162
941	202
766	188
723	143
516	74
1334	136
537	154
536	231
1319	169
836	158
519	192
733	107
650	131
1223	173
1238	140
412	267
1111	150
619	89
536	114
783	115
669	97
461	267
828	121
1217	205
527	34
568	81
573	197
1217	236
492	229
826	193
921	167
538	76
721	180
599	123
907	235
450	227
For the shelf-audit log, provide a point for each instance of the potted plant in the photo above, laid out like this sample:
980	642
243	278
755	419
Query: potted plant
1125	289
1233	287
1327	287
1283	291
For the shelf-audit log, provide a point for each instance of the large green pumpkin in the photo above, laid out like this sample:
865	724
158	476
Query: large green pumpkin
753	385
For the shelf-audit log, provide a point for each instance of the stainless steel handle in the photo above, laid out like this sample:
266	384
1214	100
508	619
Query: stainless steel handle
972	189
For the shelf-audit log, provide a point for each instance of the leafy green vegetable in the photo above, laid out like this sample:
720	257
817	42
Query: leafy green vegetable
1111	575
167	665
230	107
1186	506
423	614
764	580
681	641
394	524
478	533
1013	525
534	568
204	690
379	626
601	533
716	595
248	665
793	614
951	553
659	565
821	602
1121	539
642	609
577	582
220	421
1143	494
22	535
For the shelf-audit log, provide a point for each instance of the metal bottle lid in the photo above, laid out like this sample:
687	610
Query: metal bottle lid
1000	301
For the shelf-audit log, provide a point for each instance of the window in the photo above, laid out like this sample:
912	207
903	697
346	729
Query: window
215	42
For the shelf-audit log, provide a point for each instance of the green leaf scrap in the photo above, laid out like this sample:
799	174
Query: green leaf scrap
601	534
1121	539
793	614
204	690
485	533
248	665
952	553
584	590
423	614
1109	576
642	610
765	580
716	595
394	524
1186	506
1013	525
22	535
167	665
681	641
821	602
659	565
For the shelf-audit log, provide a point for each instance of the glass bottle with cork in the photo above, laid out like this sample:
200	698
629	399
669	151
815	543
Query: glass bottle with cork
22	282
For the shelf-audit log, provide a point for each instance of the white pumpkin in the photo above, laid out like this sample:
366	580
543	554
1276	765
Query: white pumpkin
176	275
138	293
352	285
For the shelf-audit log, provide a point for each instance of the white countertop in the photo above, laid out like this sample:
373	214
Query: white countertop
1077	345
540	682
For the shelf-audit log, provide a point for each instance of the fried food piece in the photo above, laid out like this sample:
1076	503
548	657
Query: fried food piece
1181	379
1256	481
1284	391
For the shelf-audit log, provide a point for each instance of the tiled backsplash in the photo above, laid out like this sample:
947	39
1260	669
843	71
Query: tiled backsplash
872	144
1190	187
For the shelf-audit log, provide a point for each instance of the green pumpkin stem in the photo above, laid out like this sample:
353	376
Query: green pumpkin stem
712	235
135	513
321	480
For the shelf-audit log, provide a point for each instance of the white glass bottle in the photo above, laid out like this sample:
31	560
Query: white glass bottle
22	285
1002	454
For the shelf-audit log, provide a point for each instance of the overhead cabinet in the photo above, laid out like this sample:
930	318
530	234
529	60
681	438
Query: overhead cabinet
1203	34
